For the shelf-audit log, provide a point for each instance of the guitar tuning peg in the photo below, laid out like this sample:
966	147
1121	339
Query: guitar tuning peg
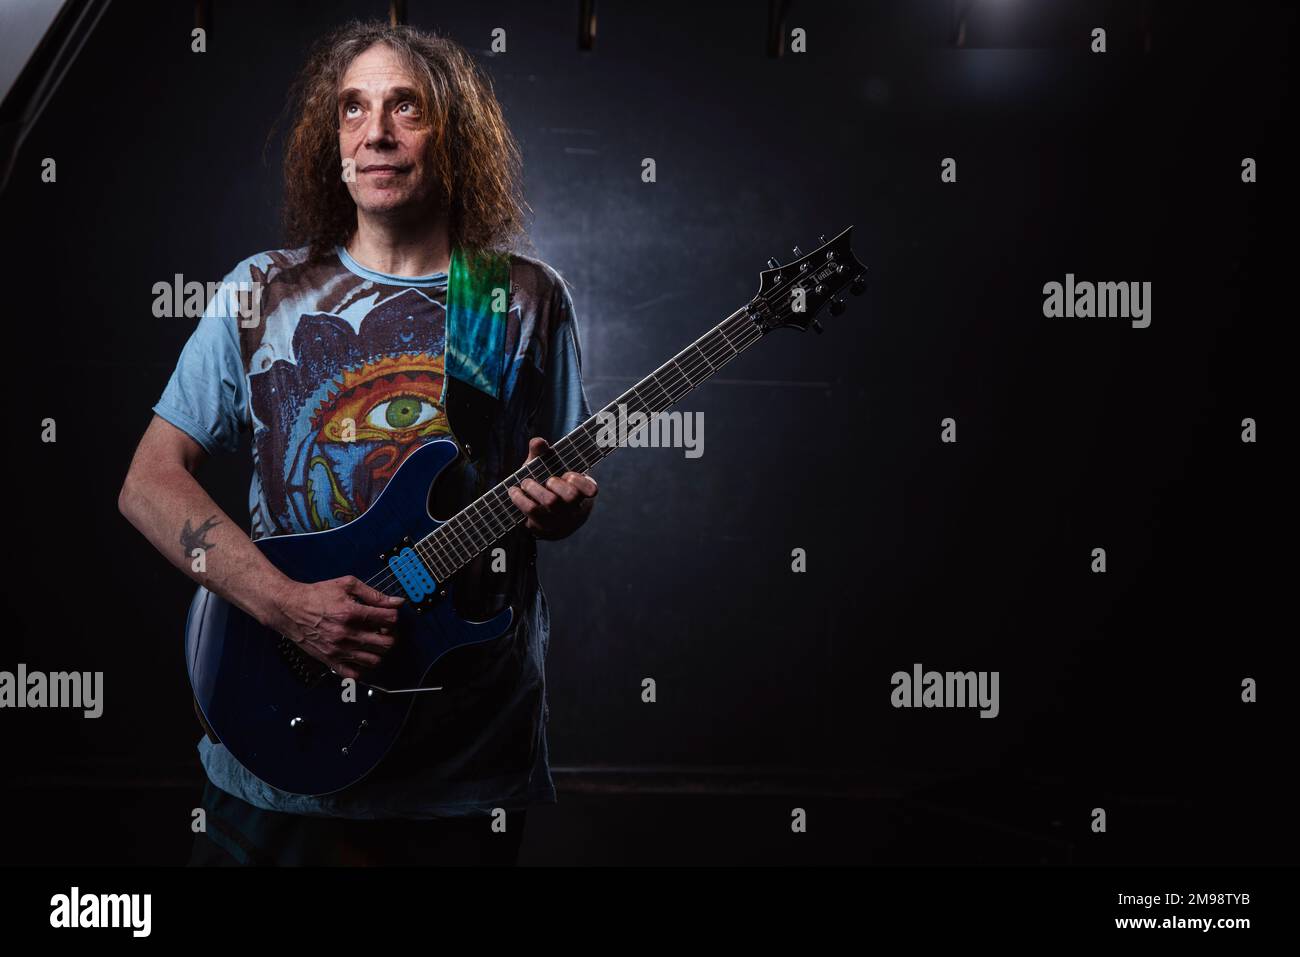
821	240
859	284
772	263
797	252
837	307
817	327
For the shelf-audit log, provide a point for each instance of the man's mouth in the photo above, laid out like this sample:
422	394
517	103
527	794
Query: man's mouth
385	170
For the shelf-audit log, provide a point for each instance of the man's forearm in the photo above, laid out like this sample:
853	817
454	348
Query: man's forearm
172	510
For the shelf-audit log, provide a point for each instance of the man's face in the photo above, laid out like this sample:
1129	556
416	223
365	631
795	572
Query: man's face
382	132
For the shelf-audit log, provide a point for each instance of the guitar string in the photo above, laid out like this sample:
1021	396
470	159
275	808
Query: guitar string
580	444
580	441
497	510
489	510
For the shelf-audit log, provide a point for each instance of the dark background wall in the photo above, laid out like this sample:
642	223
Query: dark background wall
1119	690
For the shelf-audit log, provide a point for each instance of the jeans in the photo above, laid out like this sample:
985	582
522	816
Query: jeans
240	834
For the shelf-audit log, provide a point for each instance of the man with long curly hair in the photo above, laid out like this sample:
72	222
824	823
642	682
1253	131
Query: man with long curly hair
340	355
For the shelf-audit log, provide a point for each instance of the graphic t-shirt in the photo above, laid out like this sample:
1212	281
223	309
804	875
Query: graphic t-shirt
336	372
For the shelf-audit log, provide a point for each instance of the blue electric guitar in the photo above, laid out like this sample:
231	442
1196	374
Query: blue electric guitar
283	714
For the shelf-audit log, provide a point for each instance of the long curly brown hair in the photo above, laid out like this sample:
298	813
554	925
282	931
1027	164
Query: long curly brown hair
472	151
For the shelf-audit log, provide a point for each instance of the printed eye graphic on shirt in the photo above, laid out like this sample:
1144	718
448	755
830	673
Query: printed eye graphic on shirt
402	413
339	421
396	397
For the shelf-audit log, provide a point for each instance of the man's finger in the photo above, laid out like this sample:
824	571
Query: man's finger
522	501
374	617
536	448
565	490
368	642
583	483
372	596
539	493
360	659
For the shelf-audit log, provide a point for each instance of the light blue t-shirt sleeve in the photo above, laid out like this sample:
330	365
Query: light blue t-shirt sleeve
563	406
207	397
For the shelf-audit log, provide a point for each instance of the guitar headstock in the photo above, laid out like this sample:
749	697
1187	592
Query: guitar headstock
792	295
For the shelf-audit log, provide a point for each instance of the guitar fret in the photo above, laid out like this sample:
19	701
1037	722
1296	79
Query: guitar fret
683	373
577	448
476	527
654	378
459	539
503	505
432	557
487	521
705	357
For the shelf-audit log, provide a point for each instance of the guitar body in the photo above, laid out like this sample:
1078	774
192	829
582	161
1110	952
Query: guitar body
281	713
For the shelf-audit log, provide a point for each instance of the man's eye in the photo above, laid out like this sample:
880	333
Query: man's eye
347	110
409	107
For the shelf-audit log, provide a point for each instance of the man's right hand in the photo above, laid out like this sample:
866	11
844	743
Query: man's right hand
343	622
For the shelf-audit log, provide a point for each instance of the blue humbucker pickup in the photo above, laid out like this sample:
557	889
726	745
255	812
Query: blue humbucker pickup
412	575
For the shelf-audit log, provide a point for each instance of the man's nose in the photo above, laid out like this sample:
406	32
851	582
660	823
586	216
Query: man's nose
378	131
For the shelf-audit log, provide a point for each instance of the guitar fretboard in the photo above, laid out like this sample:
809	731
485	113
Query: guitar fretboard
479	525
